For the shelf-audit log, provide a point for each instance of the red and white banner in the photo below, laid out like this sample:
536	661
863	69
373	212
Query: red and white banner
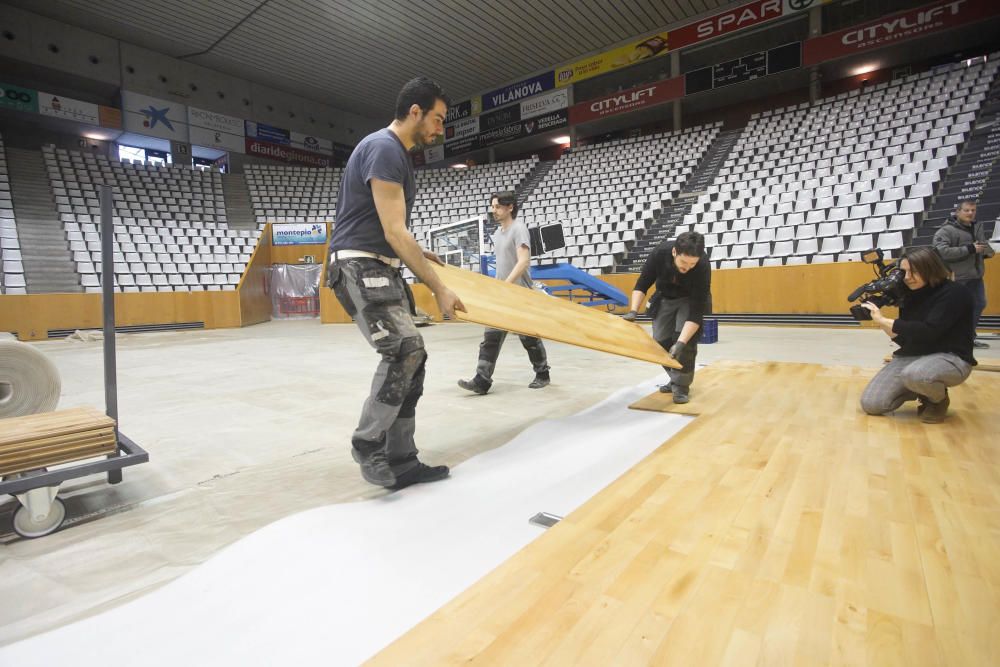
737	18
286	153
898	27
627	100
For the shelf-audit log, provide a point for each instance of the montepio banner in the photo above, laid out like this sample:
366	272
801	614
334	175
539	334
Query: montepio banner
898	27
627	100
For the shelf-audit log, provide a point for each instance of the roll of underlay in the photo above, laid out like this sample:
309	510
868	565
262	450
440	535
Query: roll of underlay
29	381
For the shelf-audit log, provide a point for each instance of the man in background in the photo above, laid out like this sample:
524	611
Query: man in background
512	247
962	243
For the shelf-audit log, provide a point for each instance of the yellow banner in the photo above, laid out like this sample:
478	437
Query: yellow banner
602	63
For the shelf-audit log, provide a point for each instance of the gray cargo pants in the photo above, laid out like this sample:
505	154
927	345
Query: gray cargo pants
906	378
381	303
668	320
489	352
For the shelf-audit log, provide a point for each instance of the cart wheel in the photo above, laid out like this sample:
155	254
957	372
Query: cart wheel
26	526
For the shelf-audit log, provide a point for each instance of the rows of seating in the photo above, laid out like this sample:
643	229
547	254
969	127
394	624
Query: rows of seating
822	182
12	275
604	194
292	194
449	195
170	231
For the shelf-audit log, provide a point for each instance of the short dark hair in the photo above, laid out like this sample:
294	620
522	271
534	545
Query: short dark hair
506	198
962	202
421	91
691	244
925	261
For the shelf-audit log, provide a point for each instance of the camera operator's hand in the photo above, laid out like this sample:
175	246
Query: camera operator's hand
630	316
876	312
677	349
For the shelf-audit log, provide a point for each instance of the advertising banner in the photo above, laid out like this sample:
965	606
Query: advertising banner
342	152
499	117
898	27
216	130
726	22
434	154
17	98
288	154
623	56
110	117
155	117
543	104
269	133
500	135
518	91
464	109
467	127
312	143
628	100
298	234
67	108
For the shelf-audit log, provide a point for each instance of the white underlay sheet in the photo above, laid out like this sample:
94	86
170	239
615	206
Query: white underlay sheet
336	584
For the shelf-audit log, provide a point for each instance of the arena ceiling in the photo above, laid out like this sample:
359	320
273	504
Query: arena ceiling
354	54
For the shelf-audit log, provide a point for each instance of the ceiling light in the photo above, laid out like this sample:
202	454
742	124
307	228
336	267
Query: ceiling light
460	165
561	140
864	69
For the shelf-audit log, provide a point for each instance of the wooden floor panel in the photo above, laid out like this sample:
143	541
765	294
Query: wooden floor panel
781	526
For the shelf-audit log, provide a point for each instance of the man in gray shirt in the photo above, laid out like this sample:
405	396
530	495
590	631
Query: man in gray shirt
369	244
512	247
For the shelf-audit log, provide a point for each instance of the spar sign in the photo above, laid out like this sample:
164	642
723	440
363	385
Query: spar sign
898	27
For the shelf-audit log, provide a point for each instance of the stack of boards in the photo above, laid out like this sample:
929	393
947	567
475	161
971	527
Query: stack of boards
50	438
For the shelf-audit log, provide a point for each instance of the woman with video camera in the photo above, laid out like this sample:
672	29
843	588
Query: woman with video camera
934	333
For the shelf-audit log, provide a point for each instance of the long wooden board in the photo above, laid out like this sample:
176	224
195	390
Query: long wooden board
498	304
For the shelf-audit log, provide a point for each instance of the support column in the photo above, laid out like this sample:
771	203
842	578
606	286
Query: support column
675	71
492	155
815	30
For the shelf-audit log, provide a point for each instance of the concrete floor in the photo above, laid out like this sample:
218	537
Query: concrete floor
247	426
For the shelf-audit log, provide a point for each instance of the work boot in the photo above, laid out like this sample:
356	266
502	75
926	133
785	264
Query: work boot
541	380
375	467
475	385
680	394
934	413
666	388
420	474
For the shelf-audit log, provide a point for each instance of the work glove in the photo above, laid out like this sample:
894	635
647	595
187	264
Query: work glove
630	316
677	349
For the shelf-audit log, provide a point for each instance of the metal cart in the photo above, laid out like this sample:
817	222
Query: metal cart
41	512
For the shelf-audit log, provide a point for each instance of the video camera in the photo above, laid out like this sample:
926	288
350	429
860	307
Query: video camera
887	289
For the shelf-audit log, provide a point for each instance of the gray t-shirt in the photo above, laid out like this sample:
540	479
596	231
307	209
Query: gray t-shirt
380	155
505	245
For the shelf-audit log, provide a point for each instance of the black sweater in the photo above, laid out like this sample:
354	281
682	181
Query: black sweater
936	319
672	284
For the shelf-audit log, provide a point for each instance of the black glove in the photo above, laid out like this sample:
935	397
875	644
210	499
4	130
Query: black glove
630	316
677	349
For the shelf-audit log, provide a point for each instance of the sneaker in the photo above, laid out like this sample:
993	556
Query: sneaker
539	381
680	394
474	386
666	388
980	344
375	467
420	474
934	413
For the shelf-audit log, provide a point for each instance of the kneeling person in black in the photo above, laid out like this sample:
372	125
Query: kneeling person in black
683	277
934	331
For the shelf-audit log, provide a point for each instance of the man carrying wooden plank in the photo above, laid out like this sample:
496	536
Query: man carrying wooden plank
683	277
370	242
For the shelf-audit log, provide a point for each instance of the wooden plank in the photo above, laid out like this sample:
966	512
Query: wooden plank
496	303
57	445
781	526
73	420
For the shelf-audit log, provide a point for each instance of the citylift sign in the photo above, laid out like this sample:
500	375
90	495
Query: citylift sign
627	100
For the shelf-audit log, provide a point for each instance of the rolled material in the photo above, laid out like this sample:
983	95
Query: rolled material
29	382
